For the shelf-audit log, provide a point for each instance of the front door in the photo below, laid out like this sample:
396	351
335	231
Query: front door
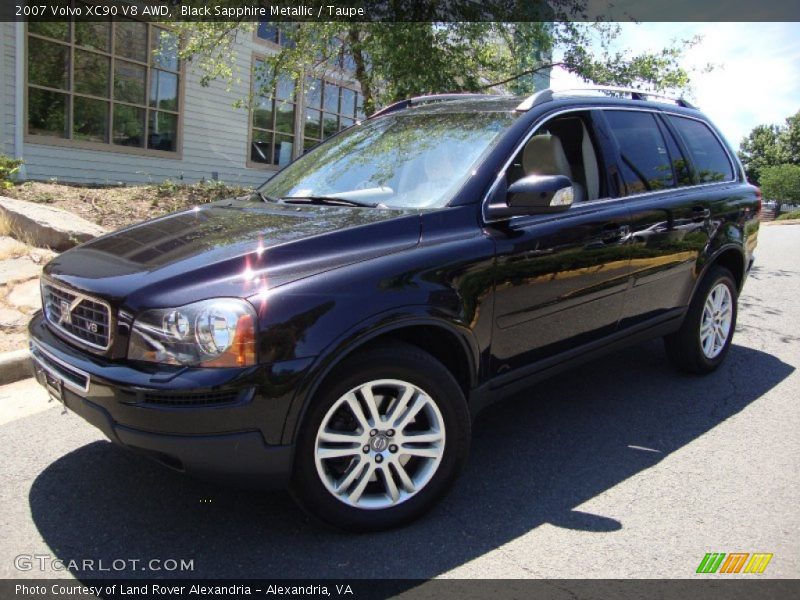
560	278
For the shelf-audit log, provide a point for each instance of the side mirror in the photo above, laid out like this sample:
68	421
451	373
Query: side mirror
532	195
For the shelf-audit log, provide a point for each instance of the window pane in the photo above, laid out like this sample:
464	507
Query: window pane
58	31
164	52
349	63
48	64
348	102
360	107
308	144
709	160
285	90
313	127
331	97
330	124
284	117
47	113
128	125
261	148
313	92
680	167
262	113
162	132
93	35
131	39
90	119
129	82
283	149
163	90
645	160
262	79
91	73
346	123
267	31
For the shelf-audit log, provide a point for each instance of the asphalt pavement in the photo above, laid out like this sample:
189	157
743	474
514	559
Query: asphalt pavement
619	468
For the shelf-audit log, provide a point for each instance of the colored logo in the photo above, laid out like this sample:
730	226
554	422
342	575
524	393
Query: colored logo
735	562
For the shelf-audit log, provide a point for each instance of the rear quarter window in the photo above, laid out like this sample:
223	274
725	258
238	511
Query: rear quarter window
709	159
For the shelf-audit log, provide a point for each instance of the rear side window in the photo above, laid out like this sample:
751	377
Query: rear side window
646	164
709	159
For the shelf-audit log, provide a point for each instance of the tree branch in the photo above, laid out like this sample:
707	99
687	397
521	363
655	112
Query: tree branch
522	74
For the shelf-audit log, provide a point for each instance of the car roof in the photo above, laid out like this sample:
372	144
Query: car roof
548	99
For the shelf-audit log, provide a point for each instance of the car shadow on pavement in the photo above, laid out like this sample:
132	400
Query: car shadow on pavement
534	459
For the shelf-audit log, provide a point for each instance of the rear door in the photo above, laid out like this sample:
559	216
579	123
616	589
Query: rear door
670	217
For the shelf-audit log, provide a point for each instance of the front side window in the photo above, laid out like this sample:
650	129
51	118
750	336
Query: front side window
102	82
709	160
645	161
400	161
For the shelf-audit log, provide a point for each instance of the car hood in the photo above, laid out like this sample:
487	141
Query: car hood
230	248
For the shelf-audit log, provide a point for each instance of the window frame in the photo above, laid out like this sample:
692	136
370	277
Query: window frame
70	93
299	115
609	159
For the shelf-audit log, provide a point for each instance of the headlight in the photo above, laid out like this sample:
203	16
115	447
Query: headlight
211	333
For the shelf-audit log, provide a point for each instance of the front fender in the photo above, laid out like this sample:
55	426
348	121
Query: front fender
355	338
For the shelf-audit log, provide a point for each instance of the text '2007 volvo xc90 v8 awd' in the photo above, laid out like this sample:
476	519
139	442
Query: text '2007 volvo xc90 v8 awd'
336	331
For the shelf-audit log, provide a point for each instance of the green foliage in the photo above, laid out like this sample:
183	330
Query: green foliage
789	216
770	146
781	182
8	168
395	60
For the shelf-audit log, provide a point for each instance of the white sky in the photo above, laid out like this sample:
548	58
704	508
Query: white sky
756	80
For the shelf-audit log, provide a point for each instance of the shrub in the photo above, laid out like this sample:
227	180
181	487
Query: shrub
8	168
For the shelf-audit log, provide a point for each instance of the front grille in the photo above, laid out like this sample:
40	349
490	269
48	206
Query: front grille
192	398
78	316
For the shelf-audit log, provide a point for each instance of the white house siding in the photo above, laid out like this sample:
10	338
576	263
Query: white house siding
7	88
214	141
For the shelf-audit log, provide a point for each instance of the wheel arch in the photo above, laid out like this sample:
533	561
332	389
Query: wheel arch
452	344
730	256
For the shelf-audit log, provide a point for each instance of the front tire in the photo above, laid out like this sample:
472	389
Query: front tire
703	340
383	440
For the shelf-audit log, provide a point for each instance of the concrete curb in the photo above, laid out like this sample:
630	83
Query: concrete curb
784	222
14	366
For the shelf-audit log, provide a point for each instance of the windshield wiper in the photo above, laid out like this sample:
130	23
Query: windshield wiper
263	196
329	200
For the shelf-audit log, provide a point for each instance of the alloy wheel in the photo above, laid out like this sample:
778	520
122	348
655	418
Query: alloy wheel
715	323
379	444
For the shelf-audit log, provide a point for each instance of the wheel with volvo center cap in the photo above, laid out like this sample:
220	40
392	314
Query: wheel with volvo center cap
703	340
383	440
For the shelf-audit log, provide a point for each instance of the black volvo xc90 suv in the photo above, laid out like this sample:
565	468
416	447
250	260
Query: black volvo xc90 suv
337	330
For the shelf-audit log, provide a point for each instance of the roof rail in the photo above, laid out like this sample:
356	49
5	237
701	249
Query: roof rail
547	95
417	100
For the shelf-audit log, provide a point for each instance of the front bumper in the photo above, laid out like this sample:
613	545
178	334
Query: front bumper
221	424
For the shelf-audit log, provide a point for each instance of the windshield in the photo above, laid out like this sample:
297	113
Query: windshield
398	161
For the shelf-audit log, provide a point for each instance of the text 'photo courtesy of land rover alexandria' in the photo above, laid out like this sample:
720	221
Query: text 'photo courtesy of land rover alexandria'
337	331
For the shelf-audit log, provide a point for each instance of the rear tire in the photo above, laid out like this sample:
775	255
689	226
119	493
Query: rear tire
358	466
703	341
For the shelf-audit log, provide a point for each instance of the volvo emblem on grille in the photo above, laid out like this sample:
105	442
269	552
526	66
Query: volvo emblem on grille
66	313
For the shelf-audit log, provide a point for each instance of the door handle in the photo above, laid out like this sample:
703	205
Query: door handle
700	213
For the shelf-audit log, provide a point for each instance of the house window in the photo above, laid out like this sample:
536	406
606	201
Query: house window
272	118
269	32
113	84
329	108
